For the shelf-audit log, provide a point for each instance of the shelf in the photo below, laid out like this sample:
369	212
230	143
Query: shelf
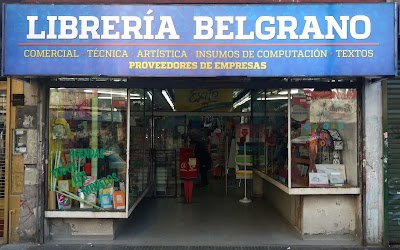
345	190
325	190
301	160
165	176
103	214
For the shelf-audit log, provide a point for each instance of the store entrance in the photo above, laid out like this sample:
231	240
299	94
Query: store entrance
164	119
174	132
160	123
215	216
127	142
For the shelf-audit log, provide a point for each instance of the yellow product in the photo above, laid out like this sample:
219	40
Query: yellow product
64	185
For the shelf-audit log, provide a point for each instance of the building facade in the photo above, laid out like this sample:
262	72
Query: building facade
327	107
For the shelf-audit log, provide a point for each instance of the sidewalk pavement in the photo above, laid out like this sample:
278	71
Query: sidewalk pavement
130	247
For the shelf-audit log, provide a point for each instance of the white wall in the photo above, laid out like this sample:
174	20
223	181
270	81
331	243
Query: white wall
329	214
286	205
317	215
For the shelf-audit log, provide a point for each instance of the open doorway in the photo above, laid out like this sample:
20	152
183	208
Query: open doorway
162	121
216	216
216	131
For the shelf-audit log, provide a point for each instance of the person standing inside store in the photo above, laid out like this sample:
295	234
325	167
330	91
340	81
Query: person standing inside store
202	155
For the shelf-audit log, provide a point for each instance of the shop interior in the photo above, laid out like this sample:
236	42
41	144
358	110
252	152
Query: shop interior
118	150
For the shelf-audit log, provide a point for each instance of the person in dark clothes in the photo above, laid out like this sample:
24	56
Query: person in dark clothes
202	155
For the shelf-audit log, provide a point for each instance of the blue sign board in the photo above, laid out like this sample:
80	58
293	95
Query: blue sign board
200	40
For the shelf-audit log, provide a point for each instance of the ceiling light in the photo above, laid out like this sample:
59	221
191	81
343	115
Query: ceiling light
242	101
285	92
168	98
150	95
108	92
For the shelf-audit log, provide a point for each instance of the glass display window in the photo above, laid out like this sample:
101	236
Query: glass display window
87	160
323	138
297	139
141	130
306	138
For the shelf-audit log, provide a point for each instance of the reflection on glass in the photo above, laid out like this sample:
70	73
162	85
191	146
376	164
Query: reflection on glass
137	142
269	116
258	135
87	149
140	142
147	162
276	133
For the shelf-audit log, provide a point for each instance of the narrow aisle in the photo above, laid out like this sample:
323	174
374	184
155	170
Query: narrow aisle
212	219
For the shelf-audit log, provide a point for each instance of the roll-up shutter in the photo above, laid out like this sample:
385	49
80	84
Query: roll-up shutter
391	111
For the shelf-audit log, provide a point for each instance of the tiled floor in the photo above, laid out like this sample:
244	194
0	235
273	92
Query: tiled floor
213	219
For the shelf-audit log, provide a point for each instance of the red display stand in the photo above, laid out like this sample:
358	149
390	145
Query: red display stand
188	171
188	187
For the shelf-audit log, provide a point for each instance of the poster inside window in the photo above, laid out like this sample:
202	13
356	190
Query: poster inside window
87	160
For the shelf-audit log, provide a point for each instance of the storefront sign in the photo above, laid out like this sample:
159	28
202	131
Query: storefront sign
200	40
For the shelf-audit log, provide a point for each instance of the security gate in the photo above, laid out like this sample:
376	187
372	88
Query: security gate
391	126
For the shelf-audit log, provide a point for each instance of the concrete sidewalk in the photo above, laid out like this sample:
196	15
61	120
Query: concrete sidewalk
112	246
213	221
